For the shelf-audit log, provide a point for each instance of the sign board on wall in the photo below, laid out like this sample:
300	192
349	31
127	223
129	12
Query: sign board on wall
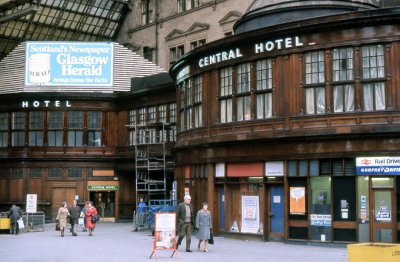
69	64
274	168
31	203
250	214
377	166
297	200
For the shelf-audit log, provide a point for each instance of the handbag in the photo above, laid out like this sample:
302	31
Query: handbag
95	218
211	240
58	226
21	224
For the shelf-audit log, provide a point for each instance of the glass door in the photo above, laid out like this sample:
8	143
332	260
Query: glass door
382	213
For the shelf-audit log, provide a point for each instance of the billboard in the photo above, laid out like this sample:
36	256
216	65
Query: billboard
69	64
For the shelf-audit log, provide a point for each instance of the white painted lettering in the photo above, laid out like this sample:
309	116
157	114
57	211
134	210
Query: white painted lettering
297	42
212	59
269	46
288	42
238	54
36	103
231	54
67	104
224	56
279	43
259	48
46	103
25	104
201	62
57	103
206	61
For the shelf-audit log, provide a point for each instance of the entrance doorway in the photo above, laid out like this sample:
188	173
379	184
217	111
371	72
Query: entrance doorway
60	195
383	224
275	214
104	201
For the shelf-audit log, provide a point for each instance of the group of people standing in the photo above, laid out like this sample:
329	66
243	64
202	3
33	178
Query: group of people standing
74	212
186	219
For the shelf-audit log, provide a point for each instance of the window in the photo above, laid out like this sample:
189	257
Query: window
162	118
176	53
243	91
230	33
35	173
3	129
36	128
18	129
141	133
94	128
147	12
55	128
172	121
152	133
184	5
264	88
132	124
198	100
75	128
225	92
75	172
54	172
315	74
196	44
373	68
343	98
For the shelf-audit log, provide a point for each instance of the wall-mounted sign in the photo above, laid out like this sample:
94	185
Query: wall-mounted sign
378	166
274	168
297	200
69	64
103	187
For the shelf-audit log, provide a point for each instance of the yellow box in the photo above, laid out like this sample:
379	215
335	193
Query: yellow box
372	252
4	223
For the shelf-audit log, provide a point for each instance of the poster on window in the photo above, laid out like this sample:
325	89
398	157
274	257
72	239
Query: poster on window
164	231
250	214
297	200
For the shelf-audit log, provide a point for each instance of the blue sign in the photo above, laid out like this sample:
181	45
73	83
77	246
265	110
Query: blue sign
69	64
378	166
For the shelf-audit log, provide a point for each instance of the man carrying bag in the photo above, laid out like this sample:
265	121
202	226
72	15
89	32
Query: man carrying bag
15	214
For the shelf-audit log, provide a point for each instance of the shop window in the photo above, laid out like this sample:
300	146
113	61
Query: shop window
373	68
363	207
298	233
75	172
303	170
382	182
3	129
55	128
243	92
320	212
292	168
147	12
298	207
18	128
344	199
94	128
35	173
75	128
36	127
184	5
314	167
225	92
54	172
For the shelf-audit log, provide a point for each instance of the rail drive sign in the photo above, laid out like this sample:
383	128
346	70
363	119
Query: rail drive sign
69	64
378	166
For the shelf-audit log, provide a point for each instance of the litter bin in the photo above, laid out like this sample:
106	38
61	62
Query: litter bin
4	221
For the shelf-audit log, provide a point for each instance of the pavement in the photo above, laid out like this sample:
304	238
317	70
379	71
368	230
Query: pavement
118	242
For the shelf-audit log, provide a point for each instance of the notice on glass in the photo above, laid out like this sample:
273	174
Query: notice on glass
297	200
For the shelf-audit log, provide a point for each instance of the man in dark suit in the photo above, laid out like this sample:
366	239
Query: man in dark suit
185	219
74	212
15	214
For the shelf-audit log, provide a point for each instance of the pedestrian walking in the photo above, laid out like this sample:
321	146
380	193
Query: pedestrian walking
90	212
15	214
203	226
74	213
185	219
62	216
83	215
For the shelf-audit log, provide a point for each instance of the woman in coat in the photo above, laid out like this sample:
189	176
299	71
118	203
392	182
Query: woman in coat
90	212
203	226
62	217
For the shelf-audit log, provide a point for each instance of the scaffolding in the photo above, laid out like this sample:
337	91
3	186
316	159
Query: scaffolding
152	163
